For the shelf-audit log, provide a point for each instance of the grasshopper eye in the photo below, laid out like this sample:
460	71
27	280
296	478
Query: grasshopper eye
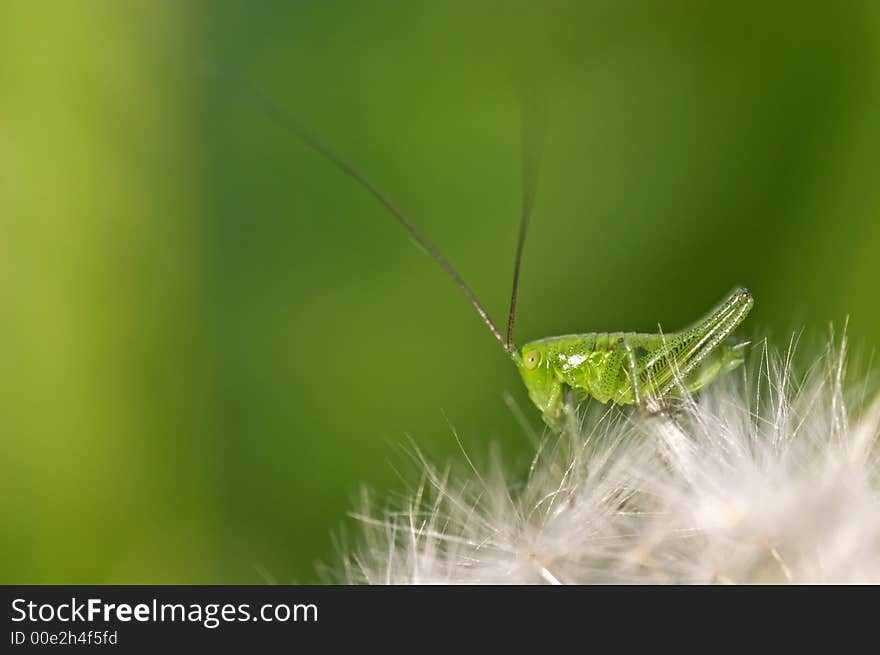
532	359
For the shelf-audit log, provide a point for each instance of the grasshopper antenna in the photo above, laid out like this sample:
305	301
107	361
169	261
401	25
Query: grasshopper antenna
533	135
286	120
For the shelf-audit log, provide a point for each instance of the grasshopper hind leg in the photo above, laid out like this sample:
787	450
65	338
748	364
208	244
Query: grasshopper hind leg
688	360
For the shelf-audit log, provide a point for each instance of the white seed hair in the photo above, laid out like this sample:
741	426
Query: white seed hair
763	477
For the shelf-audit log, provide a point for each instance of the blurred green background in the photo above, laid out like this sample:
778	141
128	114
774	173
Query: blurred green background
210	339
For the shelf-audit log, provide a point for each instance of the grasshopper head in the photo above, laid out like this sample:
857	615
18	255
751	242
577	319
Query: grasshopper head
545	390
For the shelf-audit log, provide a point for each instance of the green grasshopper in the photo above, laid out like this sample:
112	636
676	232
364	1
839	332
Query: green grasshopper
625	368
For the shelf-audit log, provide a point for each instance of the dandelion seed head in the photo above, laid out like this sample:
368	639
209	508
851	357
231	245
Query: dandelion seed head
769	477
